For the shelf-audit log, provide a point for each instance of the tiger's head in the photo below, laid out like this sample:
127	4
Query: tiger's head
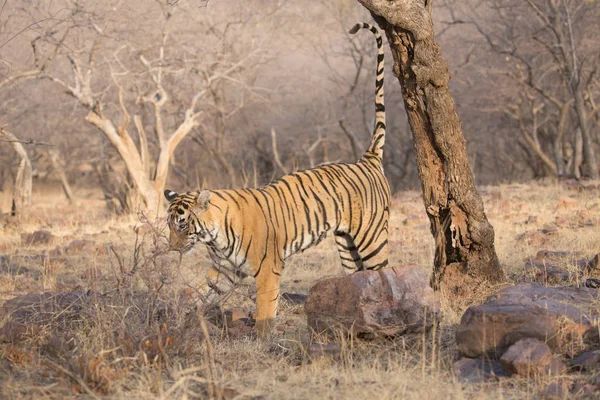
190	219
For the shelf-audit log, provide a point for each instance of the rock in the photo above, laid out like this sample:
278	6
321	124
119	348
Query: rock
532	219
549	230
12	332
557	390
581	388
238	317
593	266
320	350
561	316
551	267
294	298
241	332
36	238
388	302
477	370
557	367
530	357
533	238
588	361
55	252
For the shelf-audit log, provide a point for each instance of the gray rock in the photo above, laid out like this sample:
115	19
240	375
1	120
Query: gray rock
561	317
588	361
477	370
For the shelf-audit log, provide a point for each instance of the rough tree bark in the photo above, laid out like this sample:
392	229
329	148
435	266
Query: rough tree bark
464	239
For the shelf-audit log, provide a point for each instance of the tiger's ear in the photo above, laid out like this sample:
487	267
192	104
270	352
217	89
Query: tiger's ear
203	199
170	195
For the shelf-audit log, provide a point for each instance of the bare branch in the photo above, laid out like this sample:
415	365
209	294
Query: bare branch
276	153
29	141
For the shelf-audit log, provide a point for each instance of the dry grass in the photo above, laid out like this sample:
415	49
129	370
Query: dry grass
141	337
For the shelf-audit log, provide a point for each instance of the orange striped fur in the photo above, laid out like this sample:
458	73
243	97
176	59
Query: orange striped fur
253	231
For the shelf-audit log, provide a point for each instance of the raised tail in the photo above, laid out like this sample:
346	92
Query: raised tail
378	138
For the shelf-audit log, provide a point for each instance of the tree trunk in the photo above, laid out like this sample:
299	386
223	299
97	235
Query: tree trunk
22	189
464	239
577	154
588	144
55	159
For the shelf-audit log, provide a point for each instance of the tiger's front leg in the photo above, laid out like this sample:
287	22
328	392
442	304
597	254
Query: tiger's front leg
267	297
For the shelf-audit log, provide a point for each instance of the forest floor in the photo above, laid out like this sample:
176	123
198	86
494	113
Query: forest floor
134	338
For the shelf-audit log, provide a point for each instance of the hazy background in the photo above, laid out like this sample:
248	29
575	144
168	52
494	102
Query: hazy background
301	74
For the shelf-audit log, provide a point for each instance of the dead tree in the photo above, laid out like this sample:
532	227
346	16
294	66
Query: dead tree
549	52
22	190
157	65
464	239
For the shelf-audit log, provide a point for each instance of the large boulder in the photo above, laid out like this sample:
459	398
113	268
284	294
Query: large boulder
562	317
387	302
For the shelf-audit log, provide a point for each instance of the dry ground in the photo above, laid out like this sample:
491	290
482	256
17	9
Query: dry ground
138	338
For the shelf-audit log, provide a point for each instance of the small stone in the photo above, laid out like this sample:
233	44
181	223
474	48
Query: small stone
527	357
320	350
294	298
241	332
55	252
549	230
477	370
531	219
556	390
588	361
37	238
239	313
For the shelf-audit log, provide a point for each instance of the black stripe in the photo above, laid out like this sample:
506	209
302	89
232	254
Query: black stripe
375	252
233	199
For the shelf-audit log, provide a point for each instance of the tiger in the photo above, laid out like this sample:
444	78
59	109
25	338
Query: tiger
253	231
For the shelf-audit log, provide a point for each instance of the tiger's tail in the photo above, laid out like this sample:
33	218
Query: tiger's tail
378	138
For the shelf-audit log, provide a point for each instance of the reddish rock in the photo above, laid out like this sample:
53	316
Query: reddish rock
37	238
530	357
477	370
559	316
388	302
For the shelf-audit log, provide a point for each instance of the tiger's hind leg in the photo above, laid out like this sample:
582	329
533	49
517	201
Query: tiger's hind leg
348	251
375	255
